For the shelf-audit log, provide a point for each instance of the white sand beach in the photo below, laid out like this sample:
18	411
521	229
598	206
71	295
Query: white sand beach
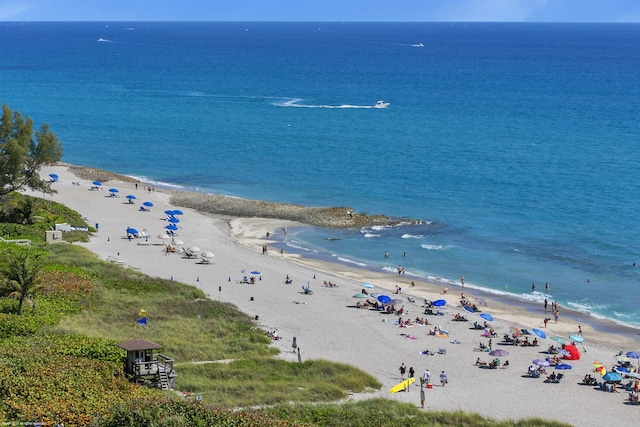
328	326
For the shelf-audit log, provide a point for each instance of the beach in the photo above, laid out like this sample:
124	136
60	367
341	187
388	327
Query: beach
326	323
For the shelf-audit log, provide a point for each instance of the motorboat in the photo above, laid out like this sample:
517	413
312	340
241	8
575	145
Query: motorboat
380	104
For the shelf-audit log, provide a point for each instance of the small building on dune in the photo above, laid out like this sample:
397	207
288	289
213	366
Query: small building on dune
145	366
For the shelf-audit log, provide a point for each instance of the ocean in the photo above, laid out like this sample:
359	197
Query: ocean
517	145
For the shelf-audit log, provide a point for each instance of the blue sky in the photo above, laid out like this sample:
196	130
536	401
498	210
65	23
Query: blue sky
322	10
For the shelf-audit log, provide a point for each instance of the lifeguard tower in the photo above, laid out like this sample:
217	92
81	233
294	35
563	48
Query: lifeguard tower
144	366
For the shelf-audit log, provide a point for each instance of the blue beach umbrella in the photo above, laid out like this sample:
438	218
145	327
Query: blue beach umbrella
360	295
113	190
367	285
439	303
612	377
576	338
385	299
149	204
169	212
131	197
563	366
178	212
256	272
539	333
469	309
172	227
173	220
132	231
97	183
487	316
53	175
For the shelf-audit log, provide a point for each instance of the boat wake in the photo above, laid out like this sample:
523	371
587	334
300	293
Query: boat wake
298	103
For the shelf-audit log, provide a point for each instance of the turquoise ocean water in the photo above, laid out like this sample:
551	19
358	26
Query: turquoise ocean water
516	144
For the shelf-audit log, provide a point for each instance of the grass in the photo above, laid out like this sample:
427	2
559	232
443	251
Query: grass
58	361
269	381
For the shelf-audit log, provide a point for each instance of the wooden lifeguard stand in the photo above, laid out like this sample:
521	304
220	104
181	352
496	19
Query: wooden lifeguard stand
146	366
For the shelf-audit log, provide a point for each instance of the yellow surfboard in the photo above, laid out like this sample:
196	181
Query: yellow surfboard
401	386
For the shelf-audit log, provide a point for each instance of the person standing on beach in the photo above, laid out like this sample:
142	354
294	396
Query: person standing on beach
546	303
462	282
426	377
403	369
580	330
412	372
443	379
556	315
546	320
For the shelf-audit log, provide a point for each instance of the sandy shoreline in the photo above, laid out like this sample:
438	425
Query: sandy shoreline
327	326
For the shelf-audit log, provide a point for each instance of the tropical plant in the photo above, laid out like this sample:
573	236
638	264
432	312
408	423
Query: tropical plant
21	275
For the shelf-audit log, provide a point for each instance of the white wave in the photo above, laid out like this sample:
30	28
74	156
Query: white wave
349	261
297	103
156	183
301	248
372	235
434	247
585	307
412	236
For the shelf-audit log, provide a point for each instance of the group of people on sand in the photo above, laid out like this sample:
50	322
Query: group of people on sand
273	335
330	284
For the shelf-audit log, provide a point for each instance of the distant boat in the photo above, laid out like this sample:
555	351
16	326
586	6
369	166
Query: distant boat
102	40
418	45
380	104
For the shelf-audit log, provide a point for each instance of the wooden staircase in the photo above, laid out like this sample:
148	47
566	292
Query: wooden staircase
164	379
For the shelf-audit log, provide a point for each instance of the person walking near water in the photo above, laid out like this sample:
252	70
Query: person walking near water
546	303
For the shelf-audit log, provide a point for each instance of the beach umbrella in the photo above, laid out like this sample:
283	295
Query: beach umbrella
576	338
207	255
97	183
499	353
53	175
612	377
163	236
469	309
384	299
487	316
149	204
173	220
539	333
193	249
130	197
360	295
256	272
541	362
559	340
114	190
439	303
132	231
621	358
178	212
633	354
375	295
563	366
367	285
169	212
178	243
171	227
515	330
621	370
